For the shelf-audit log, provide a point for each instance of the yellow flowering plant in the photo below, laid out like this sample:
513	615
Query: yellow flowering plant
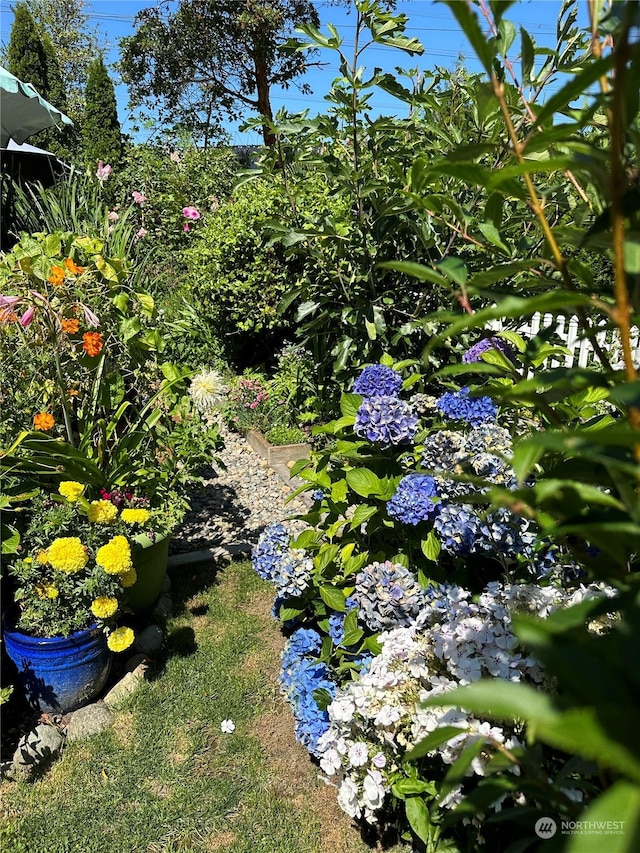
76	562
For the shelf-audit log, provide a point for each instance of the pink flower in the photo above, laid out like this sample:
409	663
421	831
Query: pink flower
141	233
113	216
185	227
90	318
139	198
110	229
190	213
103	171
27	317
9	301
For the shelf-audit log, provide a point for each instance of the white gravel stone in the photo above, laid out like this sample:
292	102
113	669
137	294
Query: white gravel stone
237	503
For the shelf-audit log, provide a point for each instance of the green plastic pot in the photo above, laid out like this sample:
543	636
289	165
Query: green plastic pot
150	562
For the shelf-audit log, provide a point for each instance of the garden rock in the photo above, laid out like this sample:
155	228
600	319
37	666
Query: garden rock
135	661
163	607
150	640
125	688
166	583
36	750
89	721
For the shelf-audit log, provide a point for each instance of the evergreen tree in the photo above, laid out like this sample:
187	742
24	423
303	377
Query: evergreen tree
101	128
26	55
64	140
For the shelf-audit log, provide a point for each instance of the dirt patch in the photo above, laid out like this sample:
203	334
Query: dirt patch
124	729
182	749
295	779
158	788
220	840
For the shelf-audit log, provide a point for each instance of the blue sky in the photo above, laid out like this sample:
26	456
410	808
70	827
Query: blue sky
430	22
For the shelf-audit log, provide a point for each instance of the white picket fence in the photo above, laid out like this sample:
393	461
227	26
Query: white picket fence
581	349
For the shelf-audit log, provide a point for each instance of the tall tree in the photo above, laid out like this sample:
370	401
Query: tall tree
101	128
75	43
63	140
30	55
214	58
26	55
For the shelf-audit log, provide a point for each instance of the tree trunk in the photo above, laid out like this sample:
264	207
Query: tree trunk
264	100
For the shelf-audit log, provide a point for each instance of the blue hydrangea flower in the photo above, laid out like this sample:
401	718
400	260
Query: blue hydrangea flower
386	421
336	627
378	380
300	676
289	569
458	406
268	551
460	529
413	501
388	596
475	352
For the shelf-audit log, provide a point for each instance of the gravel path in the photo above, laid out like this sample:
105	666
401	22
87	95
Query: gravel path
237	503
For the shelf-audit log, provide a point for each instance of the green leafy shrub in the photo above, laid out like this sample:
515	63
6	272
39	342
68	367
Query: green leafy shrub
235	278
281	435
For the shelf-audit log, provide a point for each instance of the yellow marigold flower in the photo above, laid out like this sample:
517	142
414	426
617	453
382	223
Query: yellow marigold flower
46	590
115	556
67	554
42	558
120	639
128	579
103	607
135	516
102	512
70	490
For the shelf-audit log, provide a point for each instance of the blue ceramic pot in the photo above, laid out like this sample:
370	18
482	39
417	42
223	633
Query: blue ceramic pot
59	674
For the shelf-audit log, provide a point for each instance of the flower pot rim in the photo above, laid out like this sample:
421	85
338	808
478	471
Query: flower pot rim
9	620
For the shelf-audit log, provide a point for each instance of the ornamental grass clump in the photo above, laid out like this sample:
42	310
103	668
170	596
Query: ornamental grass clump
76	562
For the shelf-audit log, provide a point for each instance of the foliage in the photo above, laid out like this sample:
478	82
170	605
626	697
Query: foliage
75	42
406	192
205	60
100	407
102	139
236	280
76	562
280	435
26	57
518	219
273	406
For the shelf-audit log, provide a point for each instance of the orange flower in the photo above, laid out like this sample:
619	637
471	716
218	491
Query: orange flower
92	343
43	421
73	268
8	316
70	326
57	276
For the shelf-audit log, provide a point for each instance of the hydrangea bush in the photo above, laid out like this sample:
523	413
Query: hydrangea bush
403	586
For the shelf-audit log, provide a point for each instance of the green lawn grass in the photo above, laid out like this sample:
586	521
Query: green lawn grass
164	777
